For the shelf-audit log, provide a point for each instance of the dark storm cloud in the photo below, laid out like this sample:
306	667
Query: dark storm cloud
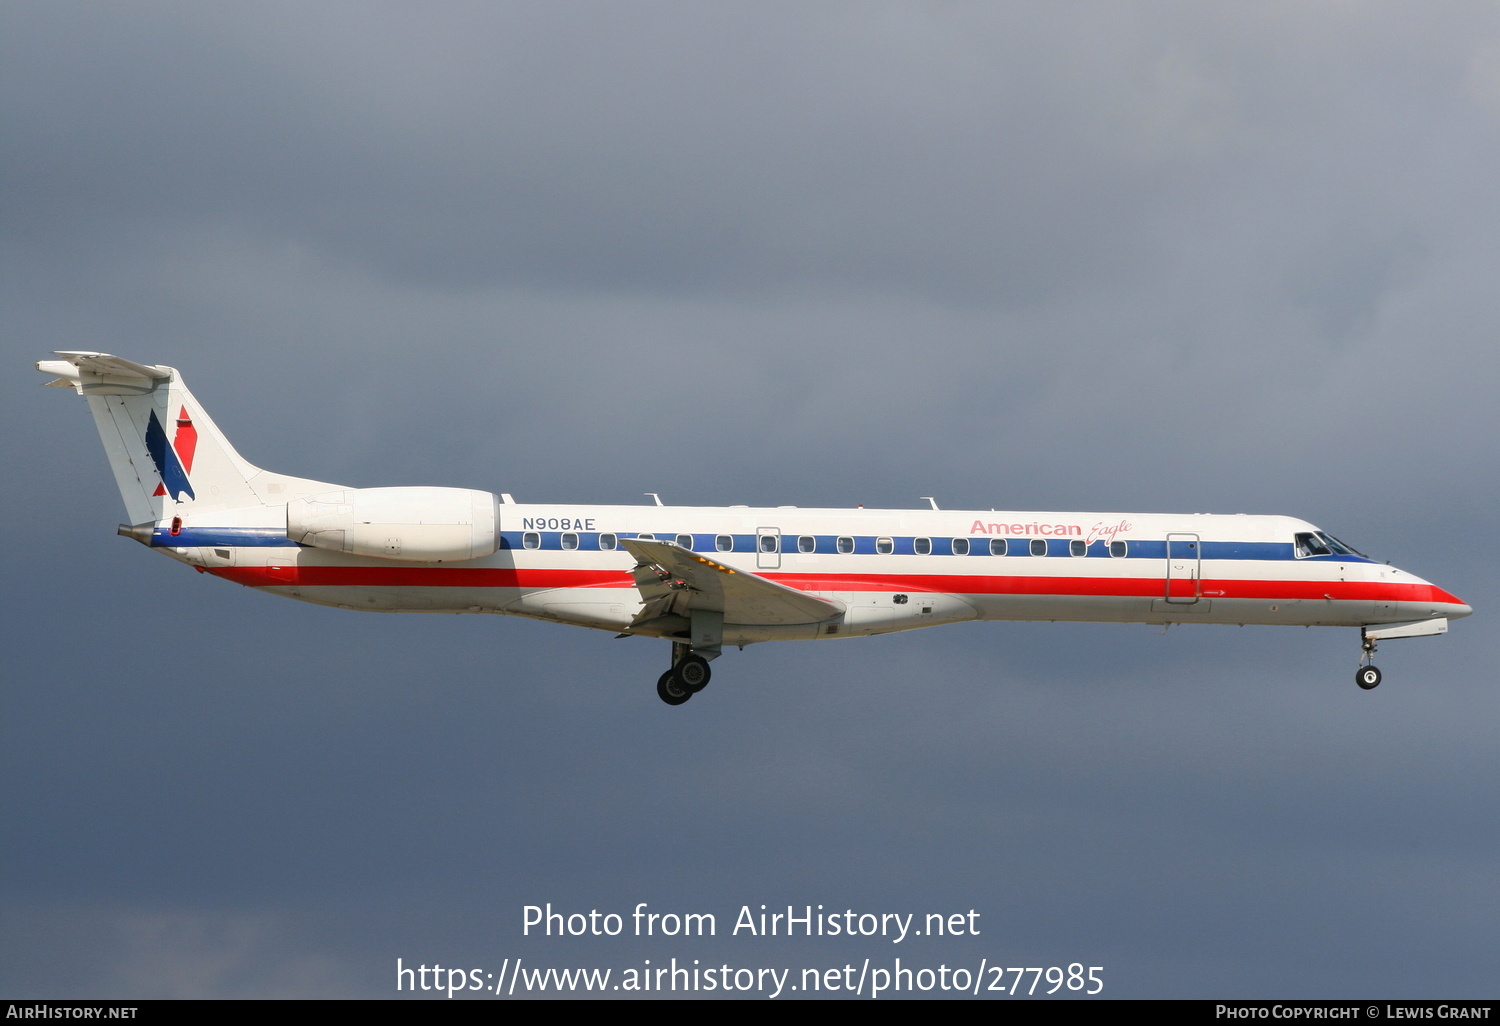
1026	255
1107	204
999	153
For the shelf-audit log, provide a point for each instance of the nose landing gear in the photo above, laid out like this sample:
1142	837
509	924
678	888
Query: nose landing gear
1367	676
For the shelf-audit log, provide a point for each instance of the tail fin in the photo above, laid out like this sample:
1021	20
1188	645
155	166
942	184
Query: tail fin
168	457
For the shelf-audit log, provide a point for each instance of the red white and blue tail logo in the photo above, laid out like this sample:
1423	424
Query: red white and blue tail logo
174	460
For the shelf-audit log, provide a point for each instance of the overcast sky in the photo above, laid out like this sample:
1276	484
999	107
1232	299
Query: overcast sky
1105	256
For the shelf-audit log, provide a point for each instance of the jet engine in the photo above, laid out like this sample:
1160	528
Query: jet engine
420	525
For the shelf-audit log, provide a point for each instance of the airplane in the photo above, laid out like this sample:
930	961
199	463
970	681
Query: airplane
708	577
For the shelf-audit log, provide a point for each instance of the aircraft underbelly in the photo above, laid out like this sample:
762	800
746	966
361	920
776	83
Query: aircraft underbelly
1143	609
400	598
1255	596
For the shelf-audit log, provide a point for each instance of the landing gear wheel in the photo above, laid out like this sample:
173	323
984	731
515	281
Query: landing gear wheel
671	692
692	673
1368	678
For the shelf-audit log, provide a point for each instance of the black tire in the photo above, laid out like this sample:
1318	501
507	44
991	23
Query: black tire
1368	678
692	673
671	692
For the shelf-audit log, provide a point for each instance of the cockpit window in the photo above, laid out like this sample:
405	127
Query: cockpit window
1321	543
1338	546
1310	544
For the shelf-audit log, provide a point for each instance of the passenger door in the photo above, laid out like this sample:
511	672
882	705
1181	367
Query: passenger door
768	548
1184	568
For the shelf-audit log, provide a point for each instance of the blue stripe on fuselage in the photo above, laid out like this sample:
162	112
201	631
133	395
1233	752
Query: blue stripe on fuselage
864	545
242	537
275	537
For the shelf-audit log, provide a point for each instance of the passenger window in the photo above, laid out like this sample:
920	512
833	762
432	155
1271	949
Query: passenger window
1038	547
646	537
884	546
1117	549
570	541
960	546
724	543
807	543
846	544
685	541
922	546
531	540
770	543
608	542
997	546
1078	547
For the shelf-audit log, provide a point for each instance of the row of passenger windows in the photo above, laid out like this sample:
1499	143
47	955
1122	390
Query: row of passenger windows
807	543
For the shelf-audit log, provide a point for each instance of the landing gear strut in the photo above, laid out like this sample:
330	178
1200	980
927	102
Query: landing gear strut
688	676
1367	676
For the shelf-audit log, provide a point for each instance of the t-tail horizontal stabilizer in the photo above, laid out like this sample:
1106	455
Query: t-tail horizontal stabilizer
102	374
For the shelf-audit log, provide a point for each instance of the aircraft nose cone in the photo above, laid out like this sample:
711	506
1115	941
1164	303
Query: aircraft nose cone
1445	603
1455	607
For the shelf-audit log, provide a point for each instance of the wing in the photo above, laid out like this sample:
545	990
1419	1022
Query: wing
675	580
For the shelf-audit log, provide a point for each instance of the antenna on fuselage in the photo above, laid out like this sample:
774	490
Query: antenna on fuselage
931	500
656	497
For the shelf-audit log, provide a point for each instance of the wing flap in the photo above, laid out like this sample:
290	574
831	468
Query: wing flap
676	580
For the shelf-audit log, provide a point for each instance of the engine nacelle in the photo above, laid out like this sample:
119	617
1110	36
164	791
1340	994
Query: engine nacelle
422	525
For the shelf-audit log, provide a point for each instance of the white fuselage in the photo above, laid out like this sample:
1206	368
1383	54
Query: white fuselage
887	570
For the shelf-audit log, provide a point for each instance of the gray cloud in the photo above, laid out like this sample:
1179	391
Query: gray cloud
1072	256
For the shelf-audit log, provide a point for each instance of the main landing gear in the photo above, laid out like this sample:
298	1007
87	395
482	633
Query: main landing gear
688	676
1367	676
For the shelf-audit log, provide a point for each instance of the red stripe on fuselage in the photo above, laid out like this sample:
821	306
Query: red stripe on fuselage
1123	587
421	577
957	584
